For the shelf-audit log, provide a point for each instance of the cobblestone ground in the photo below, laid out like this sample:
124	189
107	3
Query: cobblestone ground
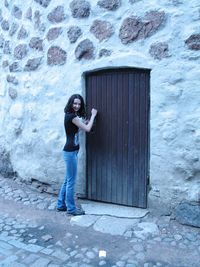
33	234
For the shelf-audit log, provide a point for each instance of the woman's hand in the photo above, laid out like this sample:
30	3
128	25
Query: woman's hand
86	127
94	112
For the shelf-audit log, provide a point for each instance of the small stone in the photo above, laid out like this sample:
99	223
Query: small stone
132	265
48	251
134	1
191	237
2	41
19	225
155	20
23	33
105	53
68	234
128	234
177	2
27	202
56	56
178	237
80	8
37	22
32	241
159	50
90	255
5	25
42	27
101	29
5	63
120	263
37	15
14	27
16	12
140	256
36	43
20	51
6	4
74	33
53	33
133	28
8	190
7	49
163	230
12	79
1	17
42	205
95	249
73	253
4	234
193	42
33	198
59	243
57	15
33	64
146	229
51	207
43	3
85	50
101	263
46	238
109	4
28	14
60	254
188	213
13	231
79	256
130	29
7	228
14	67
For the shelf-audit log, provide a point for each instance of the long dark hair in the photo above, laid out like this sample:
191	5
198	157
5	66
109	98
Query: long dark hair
69	107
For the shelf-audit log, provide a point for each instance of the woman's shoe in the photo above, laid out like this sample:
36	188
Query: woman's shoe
61	209
77	212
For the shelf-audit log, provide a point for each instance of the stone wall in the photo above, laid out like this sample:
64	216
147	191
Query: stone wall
45	48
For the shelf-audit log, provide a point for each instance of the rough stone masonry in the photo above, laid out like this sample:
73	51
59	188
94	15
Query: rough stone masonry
45	48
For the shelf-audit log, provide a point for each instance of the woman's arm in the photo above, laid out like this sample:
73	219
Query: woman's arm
86	127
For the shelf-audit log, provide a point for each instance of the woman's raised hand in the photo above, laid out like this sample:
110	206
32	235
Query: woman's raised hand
86	127
94	112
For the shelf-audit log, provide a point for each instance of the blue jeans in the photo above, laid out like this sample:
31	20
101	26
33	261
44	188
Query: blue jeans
66	195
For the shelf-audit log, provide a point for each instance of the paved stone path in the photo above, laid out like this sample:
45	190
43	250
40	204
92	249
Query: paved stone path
33	234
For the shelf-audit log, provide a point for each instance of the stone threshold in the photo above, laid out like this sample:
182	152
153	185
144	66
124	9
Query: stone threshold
101	208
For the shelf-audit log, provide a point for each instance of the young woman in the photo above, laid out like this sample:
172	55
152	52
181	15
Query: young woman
74	111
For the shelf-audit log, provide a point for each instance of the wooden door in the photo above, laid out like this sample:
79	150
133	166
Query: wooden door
118	146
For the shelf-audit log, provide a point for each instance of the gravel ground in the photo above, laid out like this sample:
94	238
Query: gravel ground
32	234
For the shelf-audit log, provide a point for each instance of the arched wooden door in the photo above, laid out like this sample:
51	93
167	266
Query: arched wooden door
118	147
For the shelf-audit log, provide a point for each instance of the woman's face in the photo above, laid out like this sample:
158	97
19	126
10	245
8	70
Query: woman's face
76	104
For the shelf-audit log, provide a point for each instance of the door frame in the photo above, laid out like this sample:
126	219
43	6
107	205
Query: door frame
96	70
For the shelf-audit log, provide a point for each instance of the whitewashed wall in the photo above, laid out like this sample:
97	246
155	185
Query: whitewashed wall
45	48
